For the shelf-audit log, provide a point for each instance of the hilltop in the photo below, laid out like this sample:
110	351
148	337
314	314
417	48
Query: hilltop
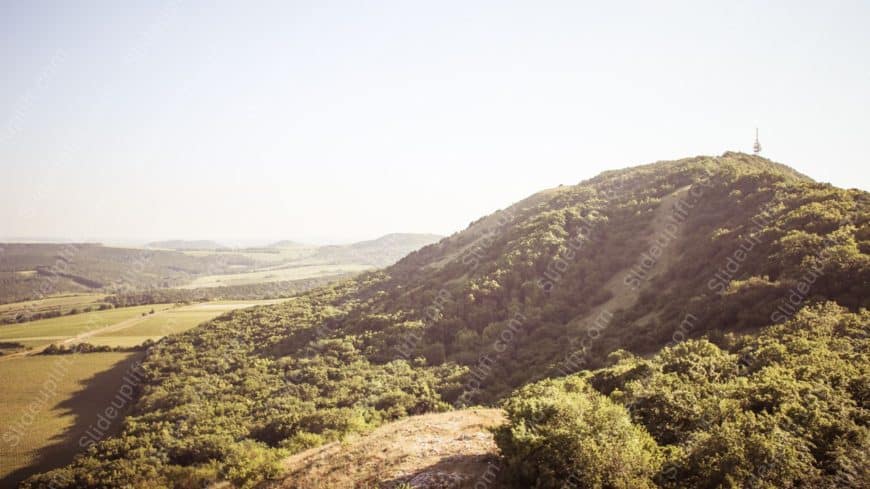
691	323
453	449
379	252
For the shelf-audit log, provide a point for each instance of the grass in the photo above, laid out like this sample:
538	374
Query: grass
276	274
171	321
263	256
69	300
126	326
46	331
62	393
65	391
64	303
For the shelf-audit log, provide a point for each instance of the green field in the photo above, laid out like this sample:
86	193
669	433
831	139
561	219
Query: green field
126	326
169	322
46	331
65	391
276	274
62	394
263	256
60	303
66	300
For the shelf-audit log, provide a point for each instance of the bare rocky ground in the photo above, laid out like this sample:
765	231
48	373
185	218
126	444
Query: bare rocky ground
452	450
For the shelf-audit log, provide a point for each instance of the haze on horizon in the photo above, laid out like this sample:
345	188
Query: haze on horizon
186	120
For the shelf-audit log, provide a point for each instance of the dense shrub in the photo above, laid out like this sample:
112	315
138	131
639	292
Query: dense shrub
563	433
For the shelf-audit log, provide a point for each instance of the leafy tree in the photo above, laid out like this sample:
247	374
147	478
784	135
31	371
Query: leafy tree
563	433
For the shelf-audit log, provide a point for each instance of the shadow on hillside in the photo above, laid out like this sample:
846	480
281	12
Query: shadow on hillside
96	395
456	472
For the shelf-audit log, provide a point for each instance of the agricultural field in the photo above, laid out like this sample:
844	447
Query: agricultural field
277	274
65	391
263	256
122	327
59	305
66	300
48	402
46	331
170	321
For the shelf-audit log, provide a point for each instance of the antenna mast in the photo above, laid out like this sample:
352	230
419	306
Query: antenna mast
756	148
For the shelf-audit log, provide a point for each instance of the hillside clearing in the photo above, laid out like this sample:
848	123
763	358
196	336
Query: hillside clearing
622	294
453	449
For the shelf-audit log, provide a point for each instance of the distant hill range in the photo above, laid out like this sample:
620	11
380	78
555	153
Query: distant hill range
181	244
288	244
379	252
34	270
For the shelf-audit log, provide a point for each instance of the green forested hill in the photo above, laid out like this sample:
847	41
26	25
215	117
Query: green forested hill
30	271
607	286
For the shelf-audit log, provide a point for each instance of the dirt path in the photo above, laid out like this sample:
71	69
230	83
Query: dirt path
115	327
625	285
441	450
133	321
81	336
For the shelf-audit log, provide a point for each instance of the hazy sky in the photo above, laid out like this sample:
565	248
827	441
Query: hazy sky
335	121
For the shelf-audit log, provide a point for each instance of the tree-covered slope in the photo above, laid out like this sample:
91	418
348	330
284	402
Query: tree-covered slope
31	271
745	244
633	260
788	408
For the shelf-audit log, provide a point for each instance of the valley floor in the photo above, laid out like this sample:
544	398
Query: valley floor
49	401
